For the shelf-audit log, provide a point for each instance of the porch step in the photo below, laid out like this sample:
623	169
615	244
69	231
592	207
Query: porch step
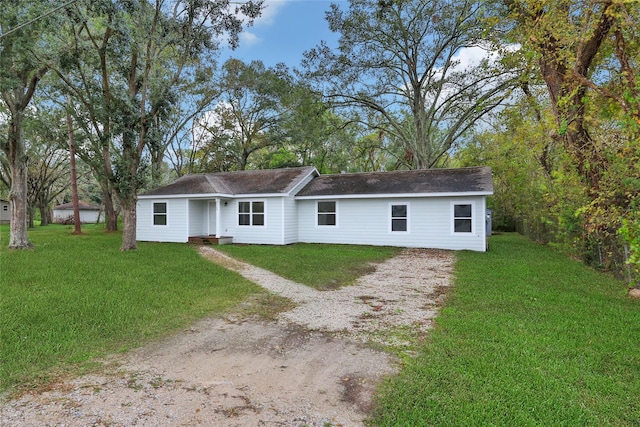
210	240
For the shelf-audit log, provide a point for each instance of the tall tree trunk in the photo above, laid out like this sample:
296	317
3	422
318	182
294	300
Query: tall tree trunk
110	212
44	212
74	180
17	158
129	230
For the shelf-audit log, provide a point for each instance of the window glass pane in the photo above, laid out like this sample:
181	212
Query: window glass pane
258	207
243	207
462	211
399	211
244	219
398	225
462	225
327	207
326	219
160	219
258	219
159	208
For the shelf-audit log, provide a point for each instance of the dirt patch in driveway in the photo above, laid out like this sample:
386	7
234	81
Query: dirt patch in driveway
311	367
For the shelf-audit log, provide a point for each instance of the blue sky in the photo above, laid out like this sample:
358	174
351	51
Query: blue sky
286	29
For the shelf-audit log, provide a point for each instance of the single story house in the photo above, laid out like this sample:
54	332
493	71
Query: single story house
5	212
89	213
434	208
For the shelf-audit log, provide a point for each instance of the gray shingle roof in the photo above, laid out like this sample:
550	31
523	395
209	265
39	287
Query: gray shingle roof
270	181
428	181
81	205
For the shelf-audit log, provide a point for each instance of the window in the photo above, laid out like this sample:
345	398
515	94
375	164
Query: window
160	213
5	207
462	218
251	213
399	218
326	213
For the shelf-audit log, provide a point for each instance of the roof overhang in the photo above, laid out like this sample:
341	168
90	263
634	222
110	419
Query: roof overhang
396	195
212	196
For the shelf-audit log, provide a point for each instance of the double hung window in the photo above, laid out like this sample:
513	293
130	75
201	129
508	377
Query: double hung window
160	213
463	218
400	218
327	214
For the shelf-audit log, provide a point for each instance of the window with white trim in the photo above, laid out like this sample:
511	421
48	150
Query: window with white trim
463	218
399	218
159	213
251	213
326	213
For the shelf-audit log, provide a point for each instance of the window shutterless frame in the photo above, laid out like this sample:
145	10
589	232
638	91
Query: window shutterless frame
462	216
251	213
160	214
398	217
326	213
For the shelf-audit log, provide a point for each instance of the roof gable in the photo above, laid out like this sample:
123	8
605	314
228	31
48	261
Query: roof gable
270	181
427	181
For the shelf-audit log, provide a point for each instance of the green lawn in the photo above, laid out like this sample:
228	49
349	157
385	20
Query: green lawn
528	338
78	297
320	266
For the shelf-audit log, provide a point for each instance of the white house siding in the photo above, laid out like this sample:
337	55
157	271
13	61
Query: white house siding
198	218
176	229
290	230
367	222
290	214
269	234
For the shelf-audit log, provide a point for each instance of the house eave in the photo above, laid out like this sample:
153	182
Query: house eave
397	195
186	196
212	196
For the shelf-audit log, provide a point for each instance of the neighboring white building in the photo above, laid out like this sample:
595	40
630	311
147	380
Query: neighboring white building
88	213
5	212
434	208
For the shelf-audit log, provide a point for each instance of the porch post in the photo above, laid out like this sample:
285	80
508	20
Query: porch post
218	215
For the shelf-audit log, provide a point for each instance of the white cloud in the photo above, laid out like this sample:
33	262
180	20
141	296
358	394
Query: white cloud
247	38
472	56
270	11
266	19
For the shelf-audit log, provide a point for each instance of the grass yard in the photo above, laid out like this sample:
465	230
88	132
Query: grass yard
78	297
320	266
527	338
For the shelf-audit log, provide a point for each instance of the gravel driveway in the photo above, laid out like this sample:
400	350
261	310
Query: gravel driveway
311	367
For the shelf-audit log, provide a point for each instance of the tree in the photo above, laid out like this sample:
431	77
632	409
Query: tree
48	170
586	52
20	72
250	114
142	50
400	61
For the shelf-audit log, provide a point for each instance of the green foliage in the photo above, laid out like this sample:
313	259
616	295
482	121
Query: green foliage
320	266
76	298
528	337
630	231
397	71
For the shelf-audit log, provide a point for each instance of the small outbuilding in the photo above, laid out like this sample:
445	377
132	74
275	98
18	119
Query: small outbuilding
89	213
435	208
5	212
